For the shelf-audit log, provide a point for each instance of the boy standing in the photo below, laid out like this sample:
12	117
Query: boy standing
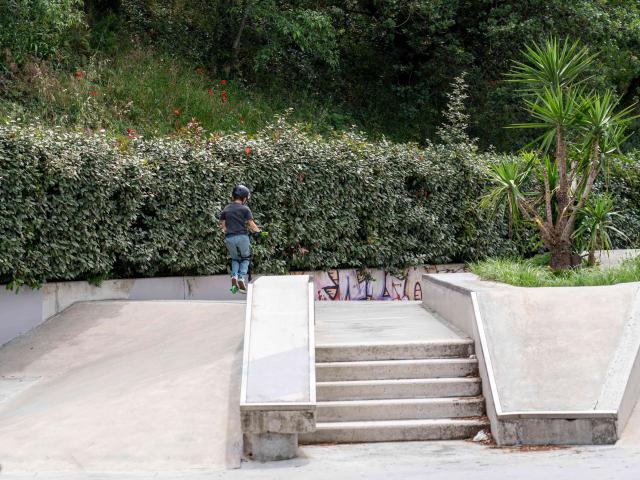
234	220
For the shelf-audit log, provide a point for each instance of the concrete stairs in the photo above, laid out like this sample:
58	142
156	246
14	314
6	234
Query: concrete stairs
392	392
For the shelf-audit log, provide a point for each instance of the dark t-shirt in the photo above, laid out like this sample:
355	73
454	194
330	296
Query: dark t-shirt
236	217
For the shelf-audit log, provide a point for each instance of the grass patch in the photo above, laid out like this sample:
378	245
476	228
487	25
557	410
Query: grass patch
151	93
530	273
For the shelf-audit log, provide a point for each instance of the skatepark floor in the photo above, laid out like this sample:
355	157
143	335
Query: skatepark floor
150	390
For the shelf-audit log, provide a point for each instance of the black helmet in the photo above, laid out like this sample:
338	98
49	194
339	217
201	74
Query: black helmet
241	192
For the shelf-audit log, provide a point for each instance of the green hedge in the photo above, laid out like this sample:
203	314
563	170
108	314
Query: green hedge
84	206
623	182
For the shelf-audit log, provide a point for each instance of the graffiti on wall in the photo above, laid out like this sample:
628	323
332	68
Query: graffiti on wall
374	284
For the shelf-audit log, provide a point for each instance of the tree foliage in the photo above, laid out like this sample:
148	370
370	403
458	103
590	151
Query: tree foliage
39	28
382	65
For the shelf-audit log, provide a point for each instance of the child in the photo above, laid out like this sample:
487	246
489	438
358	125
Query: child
234	220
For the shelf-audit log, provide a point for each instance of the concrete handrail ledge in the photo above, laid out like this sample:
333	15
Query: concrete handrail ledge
455	298
278	392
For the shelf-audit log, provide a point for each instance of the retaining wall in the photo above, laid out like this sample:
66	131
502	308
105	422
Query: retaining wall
25	310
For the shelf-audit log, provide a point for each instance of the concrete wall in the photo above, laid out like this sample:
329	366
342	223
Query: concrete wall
375	284
559	365
21	312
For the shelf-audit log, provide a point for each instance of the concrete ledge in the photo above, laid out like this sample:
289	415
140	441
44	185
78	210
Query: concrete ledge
278	393
464	300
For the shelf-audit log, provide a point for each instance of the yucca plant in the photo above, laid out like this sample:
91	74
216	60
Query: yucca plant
581	129
595	223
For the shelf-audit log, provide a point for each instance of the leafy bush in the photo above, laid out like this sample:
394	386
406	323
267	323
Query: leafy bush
76	206
39	28
529	273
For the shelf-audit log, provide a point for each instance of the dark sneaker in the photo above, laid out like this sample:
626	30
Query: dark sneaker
242	286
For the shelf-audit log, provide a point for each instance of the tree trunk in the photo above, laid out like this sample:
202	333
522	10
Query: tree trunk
235	48
561	256
592	257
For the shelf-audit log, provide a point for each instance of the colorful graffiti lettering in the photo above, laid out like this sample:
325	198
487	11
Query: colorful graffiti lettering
374	284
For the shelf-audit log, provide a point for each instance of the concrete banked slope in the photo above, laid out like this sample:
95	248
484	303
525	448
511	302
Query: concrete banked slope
391	371
121	386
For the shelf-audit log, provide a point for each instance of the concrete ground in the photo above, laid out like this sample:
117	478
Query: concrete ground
127	386
377	322
149	390
455	460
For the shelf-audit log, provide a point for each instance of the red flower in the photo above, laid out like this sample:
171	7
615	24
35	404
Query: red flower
93	93
131	133
223	82
247	150
176	112
223	94
210	92
79	74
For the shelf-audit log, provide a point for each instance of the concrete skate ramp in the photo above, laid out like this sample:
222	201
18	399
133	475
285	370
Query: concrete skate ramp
553	348
124	386
559	365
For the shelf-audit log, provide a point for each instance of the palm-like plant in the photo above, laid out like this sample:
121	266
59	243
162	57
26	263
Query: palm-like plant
553	64
595	223
580	130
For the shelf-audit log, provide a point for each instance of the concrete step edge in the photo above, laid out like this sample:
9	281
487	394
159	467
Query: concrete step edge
399	381
480	421
417	343
394	350
390	402
408	362
365	431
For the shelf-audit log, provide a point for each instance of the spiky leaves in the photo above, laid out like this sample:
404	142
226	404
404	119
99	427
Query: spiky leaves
596	221
554	64
580	128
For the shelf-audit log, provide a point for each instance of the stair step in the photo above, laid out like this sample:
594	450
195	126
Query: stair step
396	369
395	430
398	388
394	351
399	409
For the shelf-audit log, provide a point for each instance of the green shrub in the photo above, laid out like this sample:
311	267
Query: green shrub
623	183
77	206
67	203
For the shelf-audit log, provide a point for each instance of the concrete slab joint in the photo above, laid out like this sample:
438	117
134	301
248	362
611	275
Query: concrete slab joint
550	375
278	393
